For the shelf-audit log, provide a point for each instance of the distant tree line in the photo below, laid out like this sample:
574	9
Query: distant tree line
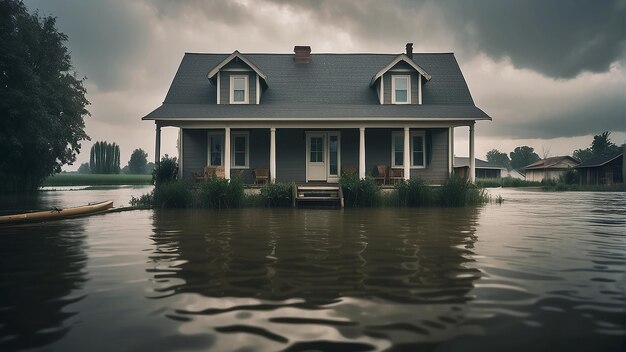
523	156
105	159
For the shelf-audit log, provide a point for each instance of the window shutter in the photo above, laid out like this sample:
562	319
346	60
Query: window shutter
429	147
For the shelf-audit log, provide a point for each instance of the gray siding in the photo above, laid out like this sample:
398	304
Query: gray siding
437	170
290	155
225	85
194	151
350	148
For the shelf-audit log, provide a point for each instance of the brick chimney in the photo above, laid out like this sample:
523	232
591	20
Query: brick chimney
303	54
409	50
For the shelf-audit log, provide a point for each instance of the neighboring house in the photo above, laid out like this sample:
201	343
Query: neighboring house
308	117
484	169
551	168
603	170
513	174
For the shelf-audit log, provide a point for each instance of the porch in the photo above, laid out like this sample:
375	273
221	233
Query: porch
319	154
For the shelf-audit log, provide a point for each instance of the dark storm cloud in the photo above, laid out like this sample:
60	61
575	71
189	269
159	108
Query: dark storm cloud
104	37
557	38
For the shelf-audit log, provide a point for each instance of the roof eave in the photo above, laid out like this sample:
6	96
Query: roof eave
237	54
405	58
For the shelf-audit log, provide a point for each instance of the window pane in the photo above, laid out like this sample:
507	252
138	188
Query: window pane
401	83
239	83
418	158
401	96
418	143
216	150
317	149
399	156
240	144
239	95
240	158
333	155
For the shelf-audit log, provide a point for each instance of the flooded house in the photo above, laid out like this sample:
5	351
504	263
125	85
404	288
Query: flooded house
603	170
550	168
483	169
310	118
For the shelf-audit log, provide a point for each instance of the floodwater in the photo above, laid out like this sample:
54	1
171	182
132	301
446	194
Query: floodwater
542	271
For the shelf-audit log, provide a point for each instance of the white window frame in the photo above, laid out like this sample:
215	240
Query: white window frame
246	89
393	89
246	135
400	134
209	145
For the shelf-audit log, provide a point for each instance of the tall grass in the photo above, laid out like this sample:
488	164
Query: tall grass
415	193
359	192
277	194
457	192
174	194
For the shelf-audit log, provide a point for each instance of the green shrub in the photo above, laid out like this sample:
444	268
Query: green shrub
220	193
414	193
277	194
166	171
359	192
458	192
173	194
569	178
145	200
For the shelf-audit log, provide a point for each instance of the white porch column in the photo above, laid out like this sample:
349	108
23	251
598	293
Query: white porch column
472	170
157	145
450	150
361	152
407	154
273	155
227	153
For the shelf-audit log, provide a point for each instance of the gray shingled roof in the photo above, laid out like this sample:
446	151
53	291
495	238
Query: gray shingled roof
599	160
331	85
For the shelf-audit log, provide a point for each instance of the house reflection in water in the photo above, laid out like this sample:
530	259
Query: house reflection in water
383	271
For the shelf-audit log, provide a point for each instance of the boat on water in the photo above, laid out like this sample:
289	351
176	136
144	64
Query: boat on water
56	213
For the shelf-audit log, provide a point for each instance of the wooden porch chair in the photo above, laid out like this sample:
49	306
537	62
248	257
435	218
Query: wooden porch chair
220	172
261	175
348	170
380	174
396	175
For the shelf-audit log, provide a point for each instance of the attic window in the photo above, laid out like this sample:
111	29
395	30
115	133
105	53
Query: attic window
400	89
239	89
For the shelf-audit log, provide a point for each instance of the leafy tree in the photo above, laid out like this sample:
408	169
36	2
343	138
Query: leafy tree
496	157
42	102
523	156
105	158
138	162
600	146
83	168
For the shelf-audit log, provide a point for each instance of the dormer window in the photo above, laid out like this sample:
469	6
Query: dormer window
400	89
239	89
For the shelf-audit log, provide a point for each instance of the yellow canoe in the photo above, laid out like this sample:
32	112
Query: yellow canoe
54	214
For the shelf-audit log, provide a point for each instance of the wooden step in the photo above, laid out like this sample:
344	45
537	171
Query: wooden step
318	193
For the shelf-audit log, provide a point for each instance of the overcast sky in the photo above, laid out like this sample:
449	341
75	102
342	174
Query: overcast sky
550	73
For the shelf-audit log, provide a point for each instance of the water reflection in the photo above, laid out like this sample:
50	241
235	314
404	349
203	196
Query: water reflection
354	271
41	266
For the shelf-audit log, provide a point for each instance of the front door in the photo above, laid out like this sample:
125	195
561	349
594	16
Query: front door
316	156
323	156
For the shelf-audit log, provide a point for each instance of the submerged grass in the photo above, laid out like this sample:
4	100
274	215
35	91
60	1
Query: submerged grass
73	179
505	182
